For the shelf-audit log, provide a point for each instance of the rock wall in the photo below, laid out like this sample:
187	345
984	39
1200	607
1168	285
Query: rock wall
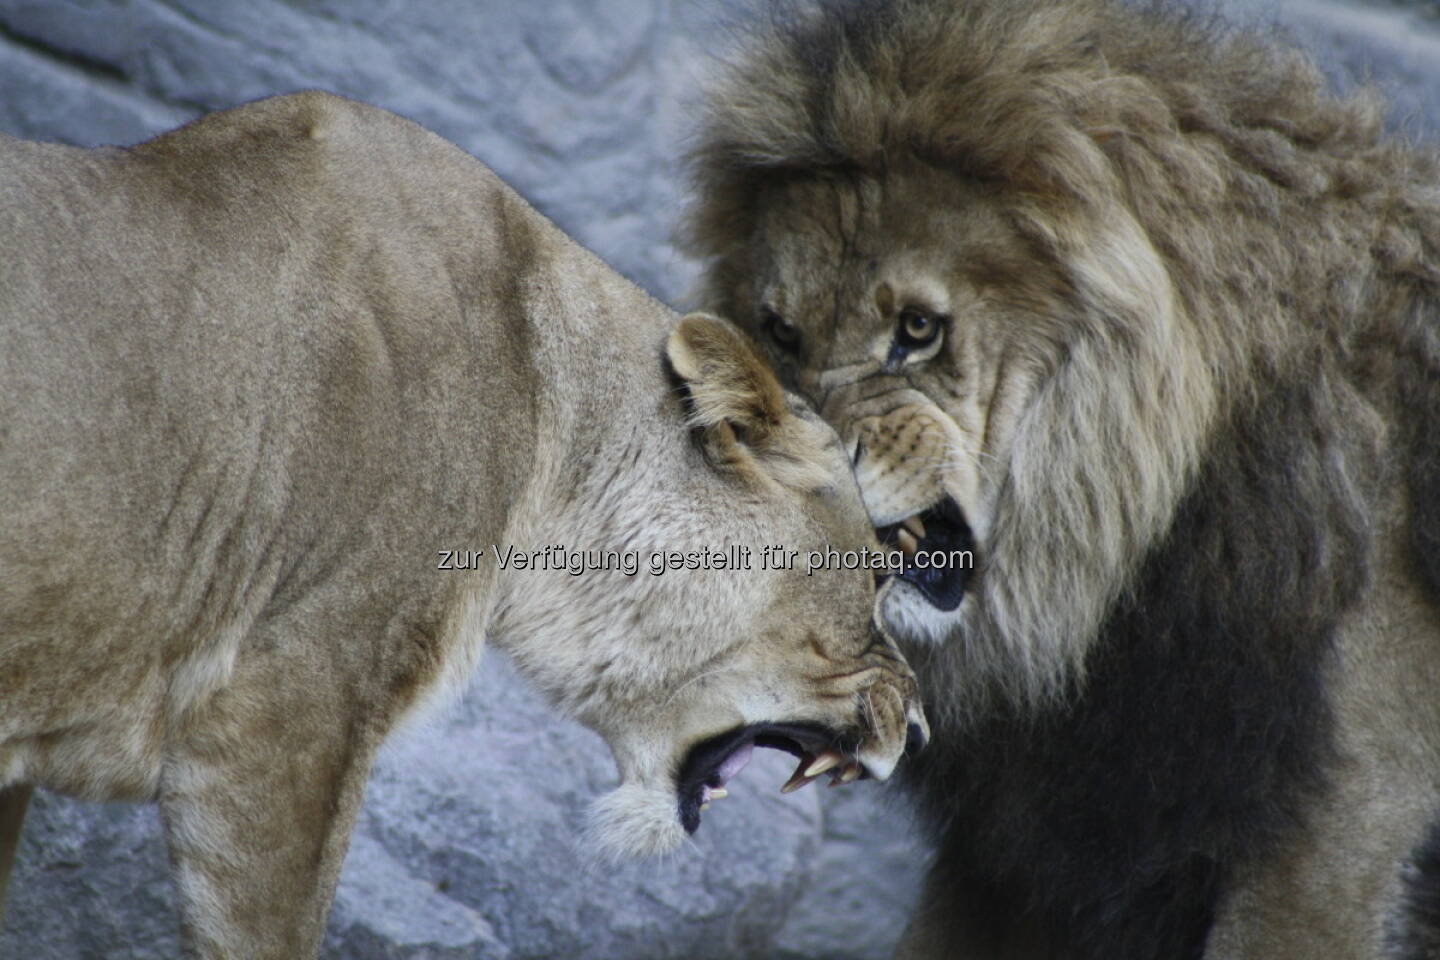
466	846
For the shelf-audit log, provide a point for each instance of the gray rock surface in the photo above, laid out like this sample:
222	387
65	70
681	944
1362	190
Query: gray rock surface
466	845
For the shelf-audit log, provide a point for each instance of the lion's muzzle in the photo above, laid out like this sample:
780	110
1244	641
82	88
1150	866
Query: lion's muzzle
918	484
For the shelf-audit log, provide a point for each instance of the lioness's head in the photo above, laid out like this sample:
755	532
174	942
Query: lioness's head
749	621
996	246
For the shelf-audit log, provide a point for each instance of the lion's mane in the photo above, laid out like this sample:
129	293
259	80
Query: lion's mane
1249	360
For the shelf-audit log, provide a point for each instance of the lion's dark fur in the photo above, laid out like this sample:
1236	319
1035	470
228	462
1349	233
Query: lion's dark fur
1423	402
1112	824
1414	932
1306	245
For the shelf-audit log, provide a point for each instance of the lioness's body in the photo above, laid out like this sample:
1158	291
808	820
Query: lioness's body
1158	315
183	474
256	377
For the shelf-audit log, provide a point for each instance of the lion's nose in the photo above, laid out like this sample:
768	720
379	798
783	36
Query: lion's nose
915	739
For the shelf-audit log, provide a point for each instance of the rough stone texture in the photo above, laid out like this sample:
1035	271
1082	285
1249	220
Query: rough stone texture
466	846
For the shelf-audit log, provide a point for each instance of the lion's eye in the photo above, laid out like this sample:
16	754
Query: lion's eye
785	335
917	328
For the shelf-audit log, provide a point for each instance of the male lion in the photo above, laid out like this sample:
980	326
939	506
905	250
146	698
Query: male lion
1148	321
262	376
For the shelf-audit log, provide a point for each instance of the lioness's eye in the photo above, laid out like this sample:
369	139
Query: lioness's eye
784	334
917	328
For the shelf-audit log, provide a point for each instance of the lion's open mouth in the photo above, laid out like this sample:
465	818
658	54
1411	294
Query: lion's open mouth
712	763
939	552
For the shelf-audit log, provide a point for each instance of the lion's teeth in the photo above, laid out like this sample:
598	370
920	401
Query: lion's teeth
825	761
906	540
915	525
718	793
704	807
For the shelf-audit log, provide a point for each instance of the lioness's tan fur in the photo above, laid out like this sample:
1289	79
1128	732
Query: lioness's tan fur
257	375
1186	396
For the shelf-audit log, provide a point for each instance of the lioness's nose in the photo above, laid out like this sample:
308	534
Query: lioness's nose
915	739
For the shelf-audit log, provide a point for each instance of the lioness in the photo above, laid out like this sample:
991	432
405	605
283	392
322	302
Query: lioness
1146	319
265	378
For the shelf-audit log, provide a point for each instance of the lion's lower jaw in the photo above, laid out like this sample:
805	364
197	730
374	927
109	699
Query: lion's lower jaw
634	820
904	612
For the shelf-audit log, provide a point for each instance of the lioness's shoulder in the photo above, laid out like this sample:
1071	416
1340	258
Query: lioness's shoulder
309	119
302	140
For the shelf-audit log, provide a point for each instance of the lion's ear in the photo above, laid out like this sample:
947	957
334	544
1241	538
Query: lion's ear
737	407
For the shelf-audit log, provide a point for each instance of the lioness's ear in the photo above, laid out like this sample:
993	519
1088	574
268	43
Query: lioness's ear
729	385
738	408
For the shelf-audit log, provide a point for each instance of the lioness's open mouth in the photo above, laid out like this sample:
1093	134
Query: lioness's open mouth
936	542
712	763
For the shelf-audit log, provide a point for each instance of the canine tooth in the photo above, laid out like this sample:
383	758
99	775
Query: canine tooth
795	783
798	779
851	772
915	525
825	761
906	540
704	807
719	793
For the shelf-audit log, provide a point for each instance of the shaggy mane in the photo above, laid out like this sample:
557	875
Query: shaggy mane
1220	157
1007	92
1074	103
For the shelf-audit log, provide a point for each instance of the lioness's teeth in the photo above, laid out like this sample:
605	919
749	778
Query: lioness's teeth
799	778
915	525
795	783
704	807
851	772
719	793
825	761
906	540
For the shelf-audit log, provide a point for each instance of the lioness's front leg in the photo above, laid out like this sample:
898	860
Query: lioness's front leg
259	797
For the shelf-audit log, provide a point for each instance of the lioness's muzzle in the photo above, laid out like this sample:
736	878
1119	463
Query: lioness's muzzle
887	723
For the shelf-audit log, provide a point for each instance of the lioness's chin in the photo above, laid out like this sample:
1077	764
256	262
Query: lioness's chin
634	820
